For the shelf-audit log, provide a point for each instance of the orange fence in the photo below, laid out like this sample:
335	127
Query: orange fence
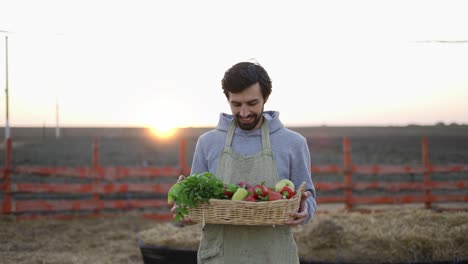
426	197
103	182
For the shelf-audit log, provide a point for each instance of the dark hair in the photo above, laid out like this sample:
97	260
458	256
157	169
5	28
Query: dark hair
243	75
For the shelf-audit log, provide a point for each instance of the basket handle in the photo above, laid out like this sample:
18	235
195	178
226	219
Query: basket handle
301	188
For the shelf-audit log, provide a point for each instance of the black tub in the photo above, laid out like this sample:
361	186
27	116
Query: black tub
162	255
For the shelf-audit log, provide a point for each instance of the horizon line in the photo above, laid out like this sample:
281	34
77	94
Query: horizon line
211	126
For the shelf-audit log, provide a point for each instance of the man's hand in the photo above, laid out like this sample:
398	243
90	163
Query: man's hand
301	216
183	221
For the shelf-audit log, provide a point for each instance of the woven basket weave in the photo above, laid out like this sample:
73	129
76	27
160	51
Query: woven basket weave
221	211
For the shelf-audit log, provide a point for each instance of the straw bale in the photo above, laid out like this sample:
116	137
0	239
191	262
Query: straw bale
173	236
393	236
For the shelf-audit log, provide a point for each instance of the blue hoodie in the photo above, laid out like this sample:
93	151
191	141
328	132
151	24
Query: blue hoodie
290	151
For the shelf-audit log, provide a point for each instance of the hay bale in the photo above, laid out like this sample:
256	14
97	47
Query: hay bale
392	236
173	236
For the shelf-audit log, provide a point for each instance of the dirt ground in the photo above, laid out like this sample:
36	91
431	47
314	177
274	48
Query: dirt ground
93	240
396	236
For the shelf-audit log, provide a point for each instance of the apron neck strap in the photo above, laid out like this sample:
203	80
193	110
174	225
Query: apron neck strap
230	133
264	129
265	134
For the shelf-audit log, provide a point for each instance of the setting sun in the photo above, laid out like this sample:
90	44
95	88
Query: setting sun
163	131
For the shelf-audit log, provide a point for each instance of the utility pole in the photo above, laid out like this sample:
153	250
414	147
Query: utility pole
7	200
57	124
7	120
57	93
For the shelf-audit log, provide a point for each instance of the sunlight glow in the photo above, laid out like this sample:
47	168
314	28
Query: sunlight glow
163	132
357	64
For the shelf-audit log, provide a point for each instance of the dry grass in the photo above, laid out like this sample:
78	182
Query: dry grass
394	236
99	240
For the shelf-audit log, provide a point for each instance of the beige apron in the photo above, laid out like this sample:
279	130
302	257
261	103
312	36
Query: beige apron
247	244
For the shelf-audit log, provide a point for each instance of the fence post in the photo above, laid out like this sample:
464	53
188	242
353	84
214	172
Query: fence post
7	204
347	173
95	153
96	173
427	171
182	157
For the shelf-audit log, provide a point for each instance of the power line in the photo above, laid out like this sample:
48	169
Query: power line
444	41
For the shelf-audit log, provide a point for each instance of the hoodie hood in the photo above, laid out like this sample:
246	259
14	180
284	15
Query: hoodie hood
274	123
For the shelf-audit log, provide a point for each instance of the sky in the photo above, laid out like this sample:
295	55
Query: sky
160	63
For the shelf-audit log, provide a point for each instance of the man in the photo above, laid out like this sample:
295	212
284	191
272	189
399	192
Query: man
252	145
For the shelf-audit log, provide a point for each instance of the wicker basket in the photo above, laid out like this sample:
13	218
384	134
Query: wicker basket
220	211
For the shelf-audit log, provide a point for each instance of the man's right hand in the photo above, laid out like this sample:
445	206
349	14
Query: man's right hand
183	221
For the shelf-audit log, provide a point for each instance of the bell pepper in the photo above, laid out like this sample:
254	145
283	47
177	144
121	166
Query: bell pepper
240	194
273	196
260	190
251	198
287	192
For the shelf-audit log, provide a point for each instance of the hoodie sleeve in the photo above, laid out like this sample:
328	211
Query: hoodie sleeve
199	163
301	172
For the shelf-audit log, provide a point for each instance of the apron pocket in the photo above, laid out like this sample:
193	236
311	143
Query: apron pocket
211	243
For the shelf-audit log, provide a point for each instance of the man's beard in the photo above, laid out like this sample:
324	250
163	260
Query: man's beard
251	125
